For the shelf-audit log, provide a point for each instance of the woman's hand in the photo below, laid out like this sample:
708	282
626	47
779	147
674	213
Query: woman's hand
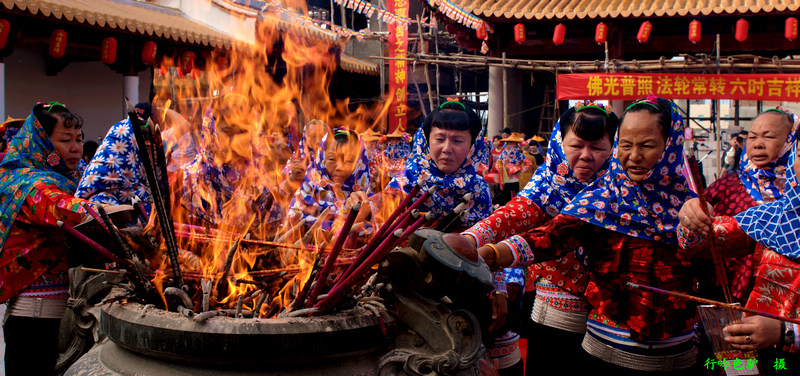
694	219
361	197
501	258
753	333
499	311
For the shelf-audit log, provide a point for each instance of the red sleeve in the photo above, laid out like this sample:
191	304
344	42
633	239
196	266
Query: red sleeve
47	204
519	215
551	241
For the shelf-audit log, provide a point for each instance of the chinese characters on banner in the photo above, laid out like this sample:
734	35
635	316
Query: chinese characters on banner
632	86
398	82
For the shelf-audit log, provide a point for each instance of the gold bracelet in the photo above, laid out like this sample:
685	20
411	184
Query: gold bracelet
496	253
498	292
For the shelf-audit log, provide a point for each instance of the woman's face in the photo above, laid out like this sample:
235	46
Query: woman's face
449	148
585	157
69	144
766	138
641	143
316	131
797	162
341	160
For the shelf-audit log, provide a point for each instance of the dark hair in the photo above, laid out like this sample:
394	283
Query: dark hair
453	116
590	124
90	148
344	136
48	115
662	108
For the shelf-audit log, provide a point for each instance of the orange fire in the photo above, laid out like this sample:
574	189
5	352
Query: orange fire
256	100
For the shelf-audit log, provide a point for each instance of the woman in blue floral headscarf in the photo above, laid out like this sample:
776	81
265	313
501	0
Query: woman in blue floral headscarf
115	174
770	232
760	179
627	220
340	171
447	149
37	179
578	153
511	163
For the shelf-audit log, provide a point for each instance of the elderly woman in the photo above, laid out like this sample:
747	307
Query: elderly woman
580	146
512	162
447	149
760	179
37	180
768	233
340	172
626	220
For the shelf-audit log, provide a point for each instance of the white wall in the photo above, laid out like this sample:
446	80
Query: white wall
90	89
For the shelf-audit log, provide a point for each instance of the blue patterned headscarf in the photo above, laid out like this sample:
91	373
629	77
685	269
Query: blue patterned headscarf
776	225
306	150
317	191
513	155
647	209
451	186
765	184
554	184
31	158
398	150
115	174
206	177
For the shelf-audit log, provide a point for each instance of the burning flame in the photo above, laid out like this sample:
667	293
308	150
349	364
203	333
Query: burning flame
239	115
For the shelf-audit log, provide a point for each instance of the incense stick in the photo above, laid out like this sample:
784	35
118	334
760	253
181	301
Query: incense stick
712	302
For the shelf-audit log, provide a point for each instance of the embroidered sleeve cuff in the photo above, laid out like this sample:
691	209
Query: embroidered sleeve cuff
690	240
520	250
500	281
482	233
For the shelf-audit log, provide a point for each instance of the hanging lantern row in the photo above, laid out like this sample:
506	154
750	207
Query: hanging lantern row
695	31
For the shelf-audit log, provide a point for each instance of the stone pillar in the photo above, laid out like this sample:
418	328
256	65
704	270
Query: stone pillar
130	90
495	101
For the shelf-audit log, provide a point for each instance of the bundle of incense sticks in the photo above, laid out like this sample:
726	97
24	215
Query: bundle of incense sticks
715	319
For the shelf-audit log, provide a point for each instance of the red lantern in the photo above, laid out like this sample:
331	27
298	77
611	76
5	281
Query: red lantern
644	32
694	31
741	30
58	43
222	63
187	62
149	53
108	50
5	30
600	33
519	33
558	34
481	32
790	31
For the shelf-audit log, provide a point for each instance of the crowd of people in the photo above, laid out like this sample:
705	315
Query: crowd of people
565	228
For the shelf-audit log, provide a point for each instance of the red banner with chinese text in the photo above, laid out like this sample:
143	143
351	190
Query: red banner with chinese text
398	81
631	86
